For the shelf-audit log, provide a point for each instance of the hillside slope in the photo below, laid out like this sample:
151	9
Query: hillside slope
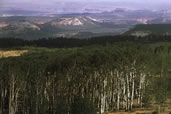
71	26
147	29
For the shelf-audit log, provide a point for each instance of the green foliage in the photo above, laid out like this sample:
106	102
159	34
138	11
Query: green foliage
161	91
147	99
82	106
61	106
72	79
151	28
155	112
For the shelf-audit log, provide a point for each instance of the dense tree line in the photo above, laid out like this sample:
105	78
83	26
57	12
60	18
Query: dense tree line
72	42
85	80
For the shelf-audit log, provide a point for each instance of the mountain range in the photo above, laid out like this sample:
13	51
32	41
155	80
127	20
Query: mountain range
80	25
73	26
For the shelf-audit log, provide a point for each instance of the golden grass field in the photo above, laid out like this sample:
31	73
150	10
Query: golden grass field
11	53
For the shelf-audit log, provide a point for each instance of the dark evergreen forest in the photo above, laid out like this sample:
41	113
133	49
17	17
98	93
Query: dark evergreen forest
73	42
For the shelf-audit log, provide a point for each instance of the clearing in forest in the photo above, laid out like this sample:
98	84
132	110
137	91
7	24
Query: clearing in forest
11	53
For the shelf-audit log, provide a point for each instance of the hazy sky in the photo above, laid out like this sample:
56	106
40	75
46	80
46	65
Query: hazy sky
77	4
51	1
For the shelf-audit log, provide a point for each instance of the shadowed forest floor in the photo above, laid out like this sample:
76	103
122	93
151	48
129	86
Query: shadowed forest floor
165	109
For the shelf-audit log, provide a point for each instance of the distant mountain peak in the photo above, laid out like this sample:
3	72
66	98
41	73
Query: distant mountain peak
68	21
74	21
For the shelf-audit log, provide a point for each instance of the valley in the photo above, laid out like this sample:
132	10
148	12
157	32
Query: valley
79	25
85	57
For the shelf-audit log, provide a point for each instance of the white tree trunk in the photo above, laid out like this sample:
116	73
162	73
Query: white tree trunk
103	97
13	98
133	88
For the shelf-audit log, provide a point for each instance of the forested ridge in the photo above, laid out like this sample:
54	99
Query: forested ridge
61	42
86	80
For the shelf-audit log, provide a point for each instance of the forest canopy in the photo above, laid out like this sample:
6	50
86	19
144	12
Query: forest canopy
86	80
62	42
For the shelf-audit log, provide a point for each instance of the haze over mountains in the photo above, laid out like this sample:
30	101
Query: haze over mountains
52	7
30	19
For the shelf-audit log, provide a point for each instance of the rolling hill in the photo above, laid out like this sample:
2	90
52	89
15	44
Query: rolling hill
69	26
147	29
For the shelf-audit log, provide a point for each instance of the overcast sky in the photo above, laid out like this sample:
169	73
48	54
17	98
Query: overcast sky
53	3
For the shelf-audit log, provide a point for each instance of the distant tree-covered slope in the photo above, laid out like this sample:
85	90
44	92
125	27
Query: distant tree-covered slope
61	42
147	29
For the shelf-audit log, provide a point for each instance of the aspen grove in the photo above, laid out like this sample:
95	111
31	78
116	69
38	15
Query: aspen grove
87	80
